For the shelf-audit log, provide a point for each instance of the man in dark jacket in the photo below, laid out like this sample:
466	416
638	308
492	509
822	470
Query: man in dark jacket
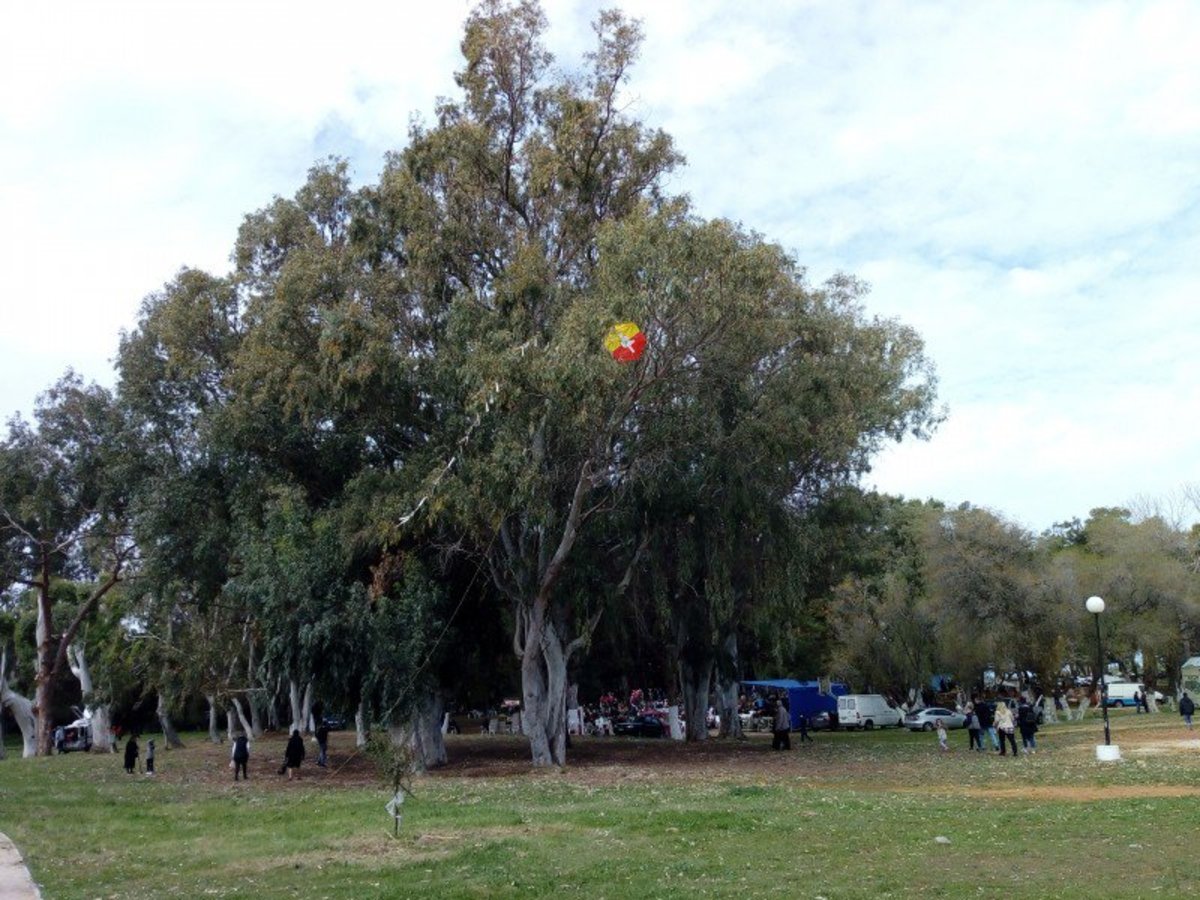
1186	709
322	745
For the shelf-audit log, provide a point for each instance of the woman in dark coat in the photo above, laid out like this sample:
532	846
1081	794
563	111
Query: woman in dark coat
294	754
131	754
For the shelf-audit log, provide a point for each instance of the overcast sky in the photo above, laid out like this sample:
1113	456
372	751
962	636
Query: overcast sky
1018	181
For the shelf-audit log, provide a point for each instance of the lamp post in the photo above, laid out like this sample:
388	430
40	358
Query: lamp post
1095	605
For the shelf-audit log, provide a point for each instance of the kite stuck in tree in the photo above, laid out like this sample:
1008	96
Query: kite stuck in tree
625	341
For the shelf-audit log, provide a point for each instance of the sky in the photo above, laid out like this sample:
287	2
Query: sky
1016	181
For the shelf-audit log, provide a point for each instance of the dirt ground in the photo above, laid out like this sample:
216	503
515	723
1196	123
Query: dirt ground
600	762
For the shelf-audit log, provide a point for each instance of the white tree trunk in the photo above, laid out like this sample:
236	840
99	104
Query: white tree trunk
102	739
543	693
423	733
297	711
727	690
360	726
214	731
1083	707
306	709
256	726
21	710
1150	701
246	726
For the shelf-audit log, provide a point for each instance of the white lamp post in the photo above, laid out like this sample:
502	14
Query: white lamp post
1095	605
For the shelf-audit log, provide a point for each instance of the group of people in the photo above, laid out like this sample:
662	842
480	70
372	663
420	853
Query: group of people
999	723
239	756
781	725
131	755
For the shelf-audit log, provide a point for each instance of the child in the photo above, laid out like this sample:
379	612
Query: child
941	733
150	757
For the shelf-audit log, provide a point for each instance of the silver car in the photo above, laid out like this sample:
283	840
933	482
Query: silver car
926	719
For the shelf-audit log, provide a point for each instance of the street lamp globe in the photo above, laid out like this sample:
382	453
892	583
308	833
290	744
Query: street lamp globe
1095	605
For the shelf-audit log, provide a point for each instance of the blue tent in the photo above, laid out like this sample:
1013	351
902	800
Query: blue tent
804	697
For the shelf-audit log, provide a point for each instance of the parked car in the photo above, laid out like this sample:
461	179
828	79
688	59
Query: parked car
640	726
820	721
334	723
77	736
926	719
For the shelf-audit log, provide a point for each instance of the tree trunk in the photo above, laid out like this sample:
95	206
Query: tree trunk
306	716
1083	707
231	722
360	725
256	726
170	736
214	732
102	739
423	733
297	711
245	725
252	694
694	681
273	709
21	710
43	691
543	693
727	689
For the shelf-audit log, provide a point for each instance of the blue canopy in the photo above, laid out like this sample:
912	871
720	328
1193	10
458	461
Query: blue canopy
804	697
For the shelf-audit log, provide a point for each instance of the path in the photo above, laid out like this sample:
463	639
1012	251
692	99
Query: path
15	883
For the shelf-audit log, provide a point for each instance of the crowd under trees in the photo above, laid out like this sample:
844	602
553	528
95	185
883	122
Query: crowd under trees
384	463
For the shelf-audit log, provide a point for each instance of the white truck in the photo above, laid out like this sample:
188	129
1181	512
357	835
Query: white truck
867	711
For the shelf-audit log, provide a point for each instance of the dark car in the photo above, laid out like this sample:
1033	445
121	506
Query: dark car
640	726
820	721
334	723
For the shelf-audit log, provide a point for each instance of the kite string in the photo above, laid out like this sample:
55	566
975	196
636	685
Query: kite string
429	656
488	401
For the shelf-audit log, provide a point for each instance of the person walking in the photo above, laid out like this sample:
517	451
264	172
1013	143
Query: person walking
131	754
1187	709
974	732
804	729
1005	727
782	727
150	757
1145	701
322	745
1137	702
987	722
60	739
293	755
240	756
1027	722
943	745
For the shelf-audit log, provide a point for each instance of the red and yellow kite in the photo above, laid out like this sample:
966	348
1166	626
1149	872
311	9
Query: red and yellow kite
625	341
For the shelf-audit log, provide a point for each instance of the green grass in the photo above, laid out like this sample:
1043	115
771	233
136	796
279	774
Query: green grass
852	816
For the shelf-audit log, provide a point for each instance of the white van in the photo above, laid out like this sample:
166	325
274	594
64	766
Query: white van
1120	693
867	711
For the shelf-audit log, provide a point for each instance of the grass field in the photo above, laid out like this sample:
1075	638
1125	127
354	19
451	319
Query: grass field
853	815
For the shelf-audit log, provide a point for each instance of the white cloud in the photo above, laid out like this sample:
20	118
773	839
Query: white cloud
1017	181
